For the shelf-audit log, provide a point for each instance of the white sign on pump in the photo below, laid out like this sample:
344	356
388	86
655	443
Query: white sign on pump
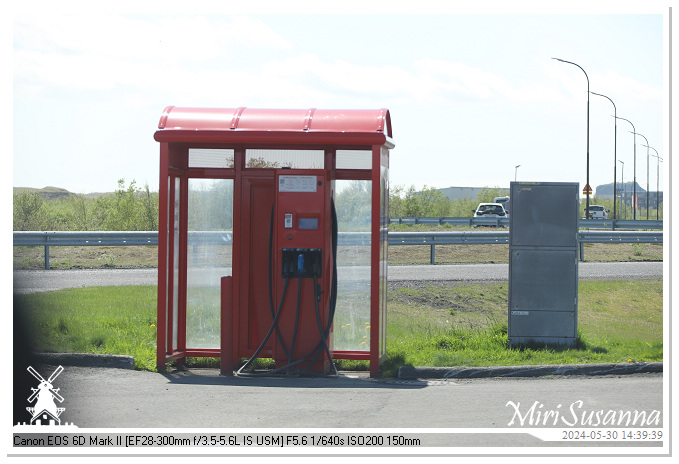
297	183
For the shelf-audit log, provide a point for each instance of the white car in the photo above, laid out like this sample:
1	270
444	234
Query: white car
490	210
596	212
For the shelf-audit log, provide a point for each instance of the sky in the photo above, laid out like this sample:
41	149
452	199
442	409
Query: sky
473	92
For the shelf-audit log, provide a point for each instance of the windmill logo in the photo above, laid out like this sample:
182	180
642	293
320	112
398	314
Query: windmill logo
45	410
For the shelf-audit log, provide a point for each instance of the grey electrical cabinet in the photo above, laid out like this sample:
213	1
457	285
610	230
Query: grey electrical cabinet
543	263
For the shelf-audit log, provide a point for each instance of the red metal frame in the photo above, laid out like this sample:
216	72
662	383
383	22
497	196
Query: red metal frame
163	252
241	129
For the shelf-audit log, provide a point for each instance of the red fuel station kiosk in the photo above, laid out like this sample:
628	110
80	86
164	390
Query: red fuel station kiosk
273	237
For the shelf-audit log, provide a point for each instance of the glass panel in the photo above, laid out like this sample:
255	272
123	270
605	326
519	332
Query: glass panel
384	232
175	271
295	159
211	158
353	159
209	251
352	314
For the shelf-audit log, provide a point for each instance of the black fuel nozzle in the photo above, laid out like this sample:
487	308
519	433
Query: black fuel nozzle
316	262
288	262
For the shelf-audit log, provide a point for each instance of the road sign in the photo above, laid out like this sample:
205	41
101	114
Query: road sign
587	189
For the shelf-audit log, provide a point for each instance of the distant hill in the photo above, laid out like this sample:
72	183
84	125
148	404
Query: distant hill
627	191
48	193
606	190
54	193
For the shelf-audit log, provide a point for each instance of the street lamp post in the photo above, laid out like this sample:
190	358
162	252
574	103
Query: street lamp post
615	152
622	179
647	159
657	185
516	168
657	200
587	187
634	186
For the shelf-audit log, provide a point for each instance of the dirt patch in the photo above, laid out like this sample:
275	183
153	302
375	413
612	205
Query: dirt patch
480	297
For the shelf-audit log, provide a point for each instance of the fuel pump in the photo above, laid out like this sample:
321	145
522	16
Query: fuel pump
302	251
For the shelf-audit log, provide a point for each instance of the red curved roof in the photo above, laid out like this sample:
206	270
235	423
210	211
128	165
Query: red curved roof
275	120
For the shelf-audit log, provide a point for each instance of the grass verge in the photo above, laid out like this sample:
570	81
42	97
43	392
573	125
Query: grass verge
466	325
436	324
102	320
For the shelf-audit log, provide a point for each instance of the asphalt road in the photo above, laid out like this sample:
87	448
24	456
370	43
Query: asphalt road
118	398
54	279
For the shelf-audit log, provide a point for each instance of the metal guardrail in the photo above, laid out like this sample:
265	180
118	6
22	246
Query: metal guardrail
98	238
150	238
619	236
612	224
453	221
448	238
620	224
111	238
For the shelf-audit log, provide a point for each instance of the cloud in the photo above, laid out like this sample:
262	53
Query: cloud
242	60
635	92
102	51
221	55
461	79
425	81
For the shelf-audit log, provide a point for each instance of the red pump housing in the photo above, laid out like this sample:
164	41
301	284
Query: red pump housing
303	256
